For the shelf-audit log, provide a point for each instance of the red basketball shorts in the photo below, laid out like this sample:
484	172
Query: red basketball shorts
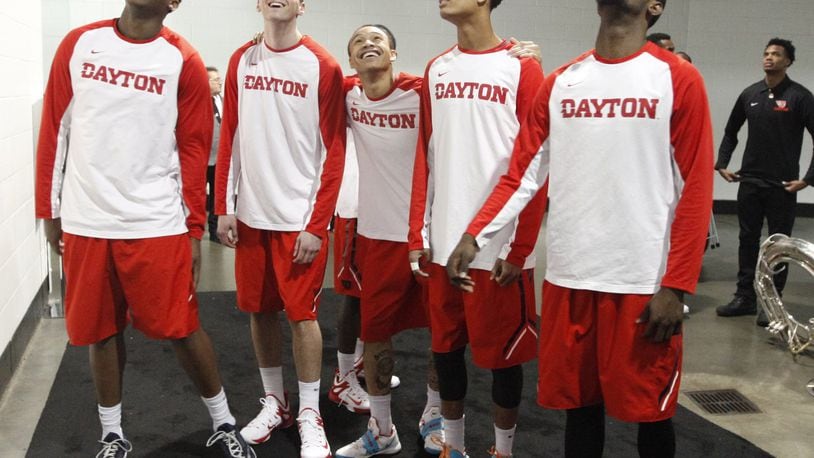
267	278
498	323
392	298
347	258
146	281
592	351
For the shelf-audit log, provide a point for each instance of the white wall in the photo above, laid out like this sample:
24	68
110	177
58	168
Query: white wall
22	250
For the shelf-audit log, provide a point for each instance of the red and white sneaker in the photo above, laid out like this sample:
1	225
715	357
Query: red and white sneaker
359	368
347	391
313	442
274	415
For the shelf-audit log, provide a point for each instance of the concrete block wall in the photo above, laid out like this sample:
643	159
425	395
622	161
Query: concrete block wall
22	247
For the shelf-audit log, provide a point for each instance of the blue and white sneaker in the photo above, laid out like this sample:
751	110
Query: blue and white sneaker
114	446
231	443
372	443
431	428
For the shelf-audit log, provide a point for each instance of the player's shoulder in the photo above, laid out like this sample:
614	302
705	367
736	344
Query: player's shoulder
409	82
445	55
179	42
74	35
802	90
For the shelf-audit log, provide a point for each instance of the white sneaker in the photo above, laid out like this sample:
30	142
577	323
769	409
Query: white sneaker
372	443
314	444
347	391
274	415
359	368
431	428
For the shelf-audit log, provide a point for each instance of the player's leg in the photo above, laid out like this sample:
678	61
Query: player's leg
257	295
502	326
640	378
299	287
751	212
96	315
568	327
161	309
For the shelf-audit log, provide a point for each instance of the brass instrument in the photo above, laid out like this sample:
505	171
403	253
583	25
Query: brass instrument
778	249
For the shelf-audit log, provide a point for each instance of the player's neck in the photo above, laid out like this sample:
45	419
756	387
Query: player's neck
774	78
619	39
281	35
138	26
377	83
477	34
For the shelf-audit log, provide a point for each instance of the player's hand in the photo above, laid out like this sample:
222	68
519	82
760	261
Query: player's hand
53	234
729	176
794	186
525	49
505	273
306	248
417	257
458	263
196	261
227	230
257	38
663	315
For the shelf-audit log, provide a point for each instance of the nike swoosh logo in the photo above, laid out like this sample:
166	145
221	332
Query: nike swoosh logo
754	103
440	74
93	51
574	84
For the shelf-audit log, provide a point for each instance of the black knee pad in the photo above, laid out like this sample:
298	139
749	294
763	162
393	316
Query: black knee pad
451	369
507	386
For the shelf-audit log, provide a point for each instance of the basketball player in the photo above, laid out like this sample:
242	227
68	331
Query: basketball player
282	144
623	135
121	175
473	98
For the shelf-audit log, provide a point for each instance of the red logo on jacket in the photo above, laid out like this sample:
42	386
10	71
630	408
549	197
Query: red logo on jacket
123	78
781	105
610	108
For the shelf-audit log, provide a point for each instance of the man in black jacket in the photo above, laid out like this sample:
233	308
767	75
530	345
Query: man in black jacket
778	109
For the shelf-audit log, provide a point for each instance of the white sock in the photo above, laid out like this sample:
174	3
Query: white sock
218	408
454	433
273	382
433	399
380	410
346	361
111	420
360	349
504	440
309	396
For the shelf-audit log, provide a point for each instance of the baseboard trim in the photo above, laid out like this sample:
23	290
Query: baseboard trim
730	207
13	354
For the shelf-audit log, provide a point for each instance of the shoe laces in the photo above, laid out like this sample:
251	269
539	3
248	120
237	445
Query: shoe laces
312	432
354	389
233	445
110	449
271	411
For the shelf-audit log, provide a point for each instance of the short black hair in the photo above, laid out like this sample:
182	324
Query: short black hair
212	69
684	56
658	36
651	20
785	44
494	4
387	31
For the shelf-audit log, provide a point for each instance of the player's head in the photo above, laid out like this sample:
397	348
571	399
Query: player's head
684	56
372	47
214	80
281	10
650	10
662	40
778	55
456	11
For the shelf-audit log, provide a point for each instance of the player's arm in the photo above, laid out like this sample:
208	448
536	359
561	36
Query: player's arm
52	145
421	194
332	129
227	166
528	172
193	134
691	137
736	119
508	268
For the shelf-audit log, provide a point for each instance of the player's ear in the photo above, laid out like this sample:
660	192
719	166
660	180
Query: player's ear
393	55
